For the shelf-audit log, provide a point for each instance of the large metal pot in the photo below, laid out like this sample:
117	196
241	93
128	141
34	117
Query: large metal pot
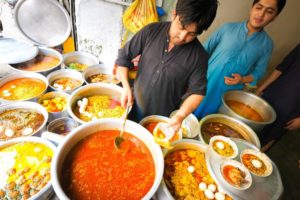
42	51
79	57
106	89
87	129
12	77
47	191
163	192
244	130
32	106
258	104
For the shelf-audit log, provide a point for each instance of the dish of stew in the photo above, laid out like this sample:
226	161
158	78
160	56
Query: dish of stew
22	89
244	110
95	169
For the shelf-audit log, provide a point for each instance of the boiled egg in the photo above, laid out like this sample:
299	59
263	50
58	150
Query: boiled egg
212	187
220	145
219	196
191	169
27	131
209	194
202	186
9	132
256	163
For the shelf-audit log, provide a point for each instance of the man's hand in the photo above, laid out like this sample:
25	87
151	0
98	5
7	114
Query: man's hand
293	124
127	97
236	79
176	122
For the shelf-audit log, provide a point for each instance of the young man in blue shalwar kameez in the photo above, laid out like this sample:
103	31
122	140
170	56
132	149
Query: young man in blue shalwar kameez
238	54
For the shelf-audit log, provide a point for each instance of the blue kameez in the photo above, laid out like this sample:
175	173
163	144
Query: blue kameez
232	50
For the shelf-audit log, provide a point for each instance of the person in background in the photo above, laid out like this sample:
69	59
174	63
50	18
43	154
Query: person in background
172	67
238	54
282	90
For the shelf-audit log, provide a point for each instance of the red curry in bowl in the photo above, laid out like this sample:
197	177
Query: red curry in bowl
95	169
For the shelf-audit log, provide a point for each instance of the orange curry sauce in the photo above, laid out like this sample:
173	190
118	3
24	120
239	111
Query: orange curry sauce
96	169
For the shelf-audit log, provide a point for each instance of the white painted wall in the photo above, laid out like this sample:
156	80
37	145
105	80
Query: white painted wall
99	28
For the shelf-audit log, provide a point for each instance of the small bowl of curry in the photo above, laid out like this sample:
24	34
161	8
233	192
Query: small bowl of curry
236	175
223	147
256	162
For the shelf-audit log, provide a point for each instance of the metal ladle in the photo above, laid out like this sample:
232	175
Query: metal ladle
119	139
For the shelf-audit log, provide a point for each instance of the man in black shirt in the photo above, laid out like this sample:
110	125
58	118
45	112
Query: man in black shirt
173	63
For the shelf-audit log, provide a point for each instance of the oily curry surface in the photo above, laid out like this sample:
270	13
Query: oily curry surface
22	89
95	169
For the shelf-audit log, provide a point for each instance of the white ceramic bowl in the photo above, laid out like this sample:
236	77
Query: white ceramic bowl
225	140
106	124
265	159
240	166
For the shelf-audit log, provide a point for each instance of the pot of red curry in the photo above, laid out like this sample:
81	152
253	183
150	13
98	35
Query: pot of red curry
87	165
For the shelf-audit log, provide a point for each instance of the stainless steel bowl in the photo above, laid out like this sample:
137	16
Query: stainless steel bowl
51	95
32	106
244	130
258	104
98	69
64	73
46	192
42	51
79	57
113	91
11	77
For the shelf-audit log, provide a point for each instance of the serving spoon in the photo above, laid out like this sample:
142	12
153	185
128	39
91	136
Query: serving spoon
119	139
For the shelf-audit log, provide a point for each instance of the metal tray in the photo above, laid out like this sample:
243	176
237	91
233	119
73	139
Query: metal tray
261	189
44	23
14	51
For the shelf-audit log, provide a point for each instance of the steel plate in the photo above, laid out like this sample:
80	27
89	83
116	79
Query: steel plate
14	51
43	22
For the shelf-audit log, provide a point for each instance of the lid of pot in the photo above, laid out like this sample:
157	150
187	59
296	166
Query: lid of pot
44	23
14	51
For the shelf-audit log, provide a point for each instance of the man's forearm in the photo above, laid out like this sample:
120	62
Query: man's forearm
122	73
189	105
